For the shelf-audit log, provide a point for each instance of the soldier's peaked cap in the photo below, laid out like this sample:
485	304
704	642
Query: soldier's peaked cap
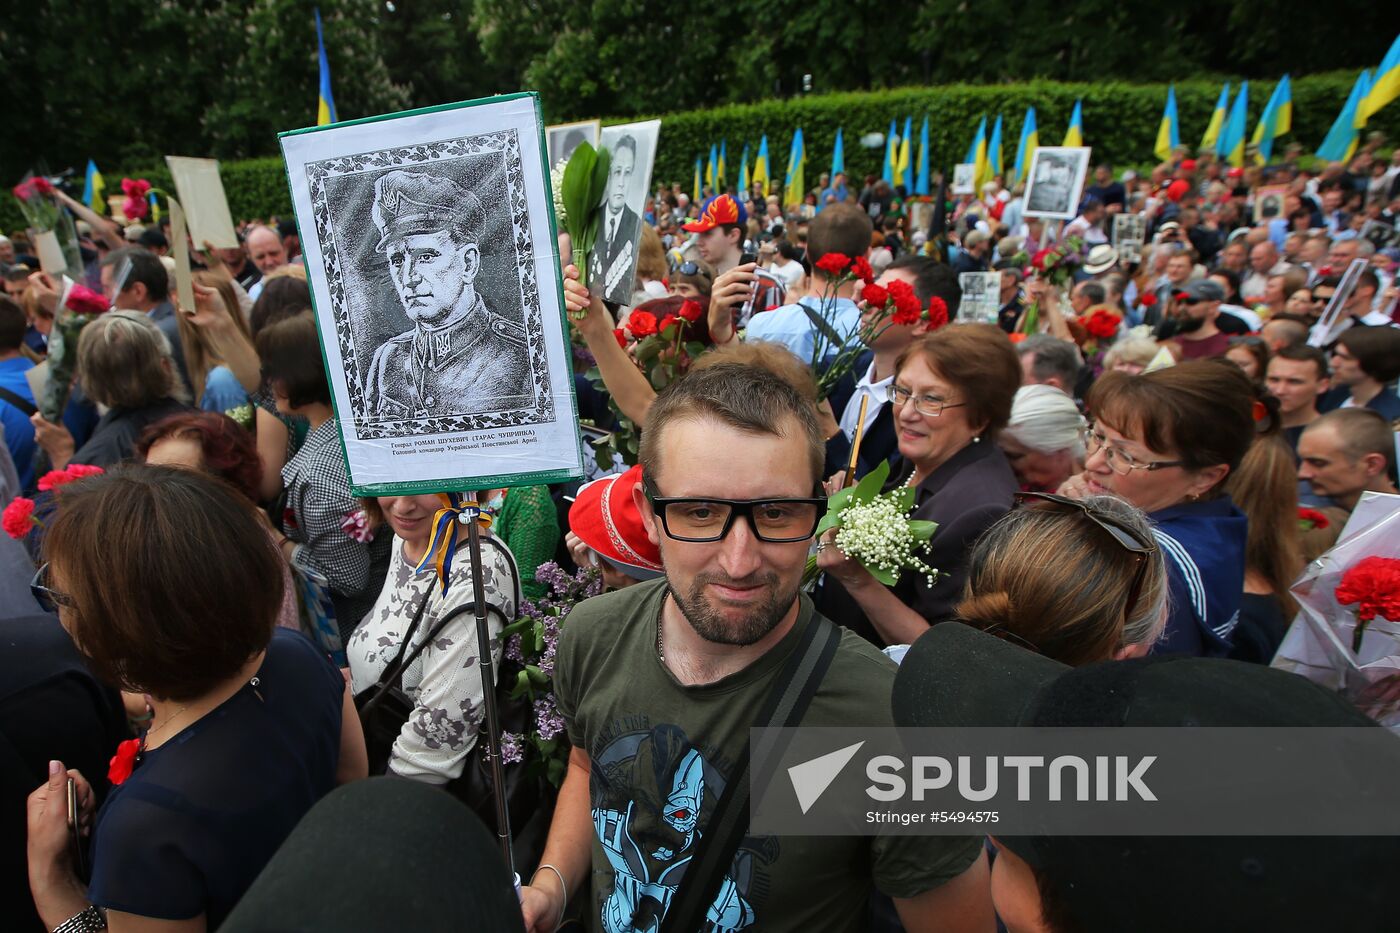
406	203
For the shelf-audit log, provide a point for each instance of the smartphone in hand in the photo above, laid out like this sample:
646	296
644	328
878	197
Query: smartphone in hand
75	831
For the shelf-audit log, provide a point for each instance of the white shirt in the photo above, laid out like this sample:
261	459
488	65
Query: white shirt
879	393
789	271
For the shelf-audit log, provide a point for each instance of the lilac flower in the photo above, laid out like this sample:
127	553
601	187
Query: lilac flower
512	748
548	721
512	650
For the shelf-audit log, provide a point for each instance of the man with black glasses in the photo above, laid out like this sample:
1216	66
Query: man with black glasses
660	683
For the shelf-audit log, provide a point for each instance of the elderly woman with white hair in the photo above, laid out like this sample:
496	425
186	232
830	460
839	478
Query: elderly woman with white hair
1044	440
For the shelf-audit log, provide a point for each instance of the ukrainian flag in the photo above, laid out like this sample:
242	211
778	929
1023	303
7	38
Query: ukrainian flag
994	167
1276	120
325	107
744	173
699	192
977	152
93	186
710	177
838	157
891	152
1386	85
1211	141
921	172
760	167
1075	135
1030	141
1168	134
793	186
721	176
1232	135
901	167
1340	142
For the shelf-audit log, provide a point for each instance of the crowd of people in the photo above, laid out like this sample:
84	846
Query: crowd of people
1116	463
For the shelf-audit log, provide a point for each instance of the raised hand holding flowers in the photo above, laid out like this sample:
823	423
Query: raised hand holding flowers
873	529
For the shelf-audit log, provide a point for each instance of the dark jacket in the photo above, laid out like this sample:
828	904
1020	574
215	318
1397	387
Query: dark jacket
965	496
1386	403
115	436
877	444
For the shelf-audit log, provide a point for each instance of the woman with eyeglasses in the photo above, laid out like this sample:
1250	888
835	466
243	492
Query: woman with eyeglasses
950	398
1166	441
1112	606
252	724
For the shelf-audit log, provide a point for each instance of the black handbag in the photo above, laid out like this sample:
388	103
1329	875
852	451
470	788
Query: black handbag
385	707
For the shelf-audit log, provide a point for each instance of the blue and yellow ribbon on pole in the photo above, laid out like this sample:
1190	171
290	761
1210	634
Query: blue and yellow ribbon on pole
443	543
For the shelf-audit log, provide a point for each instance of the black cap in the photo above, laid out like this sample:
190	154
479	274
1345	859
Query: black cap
955	675
152	238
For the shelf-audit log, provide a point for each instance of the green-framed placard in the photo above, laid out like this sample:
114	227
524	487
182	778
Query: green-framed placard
431	250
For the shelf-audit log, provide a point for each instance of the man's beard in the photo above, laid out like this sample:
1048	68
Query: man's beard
1189	325
714	628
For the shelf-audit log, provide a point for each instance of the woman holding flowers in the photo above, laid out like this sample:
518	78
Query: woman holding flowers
951	396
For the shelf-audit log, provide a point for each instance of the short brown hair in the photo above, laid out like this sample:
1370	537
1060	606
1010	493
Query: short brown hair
746	397
840	228
124	361
1361	432
1201	412
187	600
774	357
13	324
291	355
1302	353
1377	350
978	359
1073	618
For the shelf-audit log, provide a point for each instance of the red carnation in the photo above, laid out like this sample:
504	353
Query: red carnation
1180	296
83	300
863	271
23	190
42	185
641	324
874	296
834	263
906	304
1308	519
1373	585
937	313
55	478
135	187
79	470
124	761
1148	300
691	310
1039	260
1102	324
18	517
666	322
135	208
621	336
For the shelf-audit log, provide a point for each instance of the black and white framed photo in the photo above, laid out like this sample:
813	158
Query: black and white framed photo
1056	178
1381	234
562	139
981	297
965	178
1128	233
613	262
1268	203
434	269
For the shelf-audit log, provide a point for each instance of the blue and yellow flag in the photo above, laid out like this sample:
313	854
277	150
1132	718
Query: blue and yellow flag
1074	136
1385	87
325	107
697	191
1030	141
155	208
1168	133
761	171
710	165
1276	120
838	157
744	174
1232	134
994	160
904	161
891	152
977	152
1210	142
93	186
921	171
721	174
1340	143
793	185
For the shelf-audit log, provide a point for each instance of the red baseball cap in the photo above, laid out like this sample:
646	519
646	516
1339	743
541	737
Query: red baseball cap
718	211
1188	164
605	518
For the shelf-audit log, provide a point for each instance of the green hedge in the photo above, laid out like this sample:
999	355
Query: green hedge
1120	123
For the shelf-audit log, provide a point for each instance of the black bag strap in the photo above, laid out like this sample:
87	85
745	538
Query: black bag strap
784	706
393	674
19	401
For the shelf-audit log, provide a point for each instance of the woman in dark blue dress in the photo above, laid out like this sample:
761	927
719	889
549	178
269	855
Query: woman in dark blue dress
170	586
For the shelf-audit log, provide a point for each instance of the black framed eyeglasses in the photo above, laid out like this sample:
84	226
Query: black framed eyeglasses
48	598
701	520
1127	537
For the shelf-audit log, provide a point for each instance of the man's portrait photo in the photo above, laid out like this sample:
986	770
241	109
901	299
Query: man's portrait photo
613	263
460	356
563	138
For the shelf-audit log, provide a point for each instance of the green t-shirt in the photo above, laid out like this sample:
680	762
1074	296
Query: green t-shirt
661	752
